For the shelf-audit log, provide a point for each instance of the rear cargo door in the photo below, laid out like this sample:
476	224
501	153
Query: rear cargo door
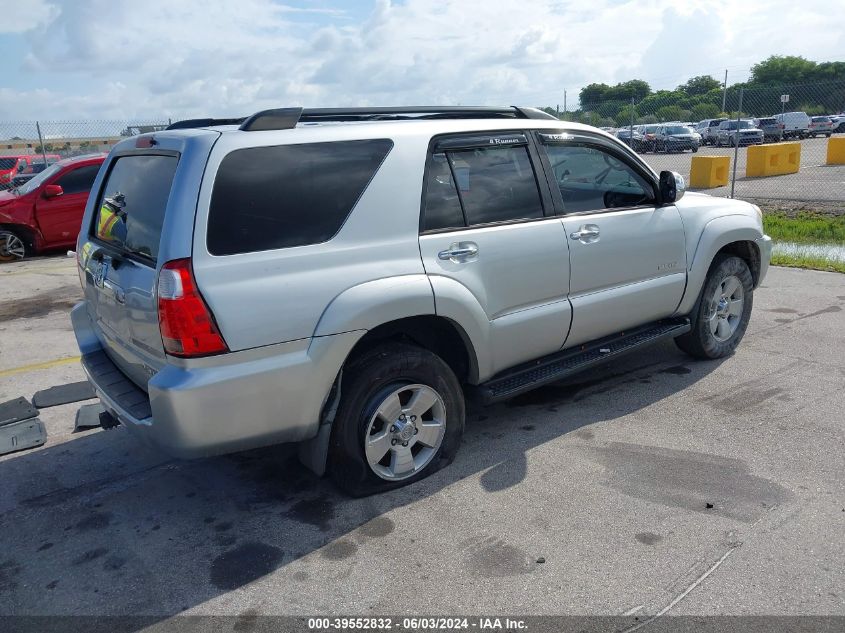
134	208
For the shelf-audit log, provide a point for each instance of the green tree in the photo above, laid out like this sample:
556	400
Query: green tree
635	88
671	113
593	93
704	111
699	86
783	69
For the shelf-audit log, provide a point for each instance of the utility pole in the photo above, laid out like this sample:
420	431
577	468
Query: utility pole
736	141
564	103
725	90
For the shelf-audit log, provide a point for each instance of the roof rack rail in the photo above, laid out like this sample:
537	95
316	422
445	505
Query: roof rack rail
287	118
189	123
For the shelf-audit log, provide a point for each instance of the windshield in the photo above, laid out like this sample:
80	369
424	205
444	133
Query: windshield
678	129
32	185
7	163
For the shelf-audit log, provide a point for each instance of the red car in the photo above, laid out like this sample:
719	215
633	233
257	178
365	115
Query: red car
46	212
11	166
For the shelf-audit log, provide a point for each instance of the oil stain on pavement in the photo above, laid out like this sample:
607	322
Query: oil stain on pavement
689	480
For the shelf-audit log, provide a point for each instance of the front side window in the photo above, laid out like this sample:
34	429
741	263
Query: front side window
591	179
282	196
79	180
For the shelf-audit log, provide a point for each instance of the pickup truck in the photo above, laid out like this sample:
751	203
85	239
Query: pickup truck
45	212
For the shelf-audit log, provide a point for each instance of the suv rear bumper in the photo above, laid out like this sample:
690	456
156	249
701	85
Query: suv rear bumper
220	404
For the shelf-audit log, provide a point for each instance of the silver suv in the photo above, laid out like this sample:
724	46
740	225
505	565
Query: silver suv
343	279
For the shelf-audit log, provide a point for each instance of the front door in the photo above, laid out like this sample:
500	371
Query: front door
627	254
485	233
60	217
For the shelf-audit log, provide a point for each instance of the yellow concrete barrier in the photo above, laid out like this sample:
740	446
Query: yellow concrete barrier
836	150
707	172
773	160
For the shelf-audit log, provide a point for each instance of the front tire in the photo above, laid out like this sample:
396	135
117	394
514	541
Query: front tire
13	246
723	310
400	419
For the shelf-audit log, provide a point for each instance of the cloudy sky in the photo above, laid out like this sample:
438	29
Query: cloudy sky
116	59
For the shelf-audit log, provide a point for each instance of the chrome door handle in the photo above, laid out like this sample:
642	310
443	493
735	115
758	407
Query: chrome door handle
459	252
587	233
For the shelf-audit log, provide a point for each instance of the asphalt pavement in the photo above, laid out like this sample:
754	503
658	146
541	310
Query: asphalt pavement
659	484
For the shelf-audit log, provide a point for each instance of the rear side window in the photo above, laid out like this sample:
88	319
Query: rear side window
489	184
79	180
130	212
267	198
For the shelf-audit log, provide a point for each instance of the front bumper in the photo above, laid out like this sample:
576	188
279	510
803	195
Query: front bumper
764	245
681	145
220	404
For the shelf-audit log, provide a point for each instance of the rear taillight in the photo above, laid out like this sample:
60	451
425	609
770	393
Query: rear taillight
187	325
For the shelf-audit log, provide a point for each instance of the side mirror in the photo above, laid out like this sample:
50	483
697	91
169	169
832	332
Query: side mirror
672	186
52	191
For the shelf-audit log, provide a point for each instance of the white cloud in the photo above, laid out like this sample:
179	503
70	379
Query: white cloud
24	16
197	58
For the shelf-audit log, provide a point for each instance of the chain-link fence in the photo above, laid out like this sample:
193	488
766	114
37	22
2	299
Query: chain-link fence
670	128
29	147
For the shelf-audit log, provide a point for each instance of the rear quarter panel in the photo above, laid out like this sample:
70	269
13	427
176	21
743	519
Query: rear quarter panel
268	297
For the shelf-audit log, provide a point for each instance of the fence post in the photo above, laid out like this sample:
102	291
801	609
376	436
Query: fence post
736	141
631	128
41	142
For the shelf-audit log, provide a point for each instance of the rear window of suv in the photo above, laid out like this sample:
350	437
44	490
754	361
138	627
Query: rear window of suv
130	211
267	198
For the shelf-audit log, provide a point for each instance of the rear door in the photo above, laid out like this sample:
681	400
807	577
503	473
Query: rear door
122	258
485	226
626	254
60	217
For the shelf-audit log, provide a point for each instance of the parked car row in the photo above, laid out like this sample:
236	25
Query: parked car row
660	137
778	127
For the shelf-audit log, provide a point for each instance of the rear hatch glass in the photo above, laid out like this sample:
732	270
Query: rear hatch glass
121	267
131	210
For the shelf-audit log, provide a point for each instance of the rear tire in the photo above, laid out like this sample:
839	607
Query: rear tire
400	419
723	310
13	246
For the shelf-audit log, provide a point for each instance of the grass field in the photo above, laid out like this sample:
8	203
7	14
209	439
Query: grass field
807	240
805	228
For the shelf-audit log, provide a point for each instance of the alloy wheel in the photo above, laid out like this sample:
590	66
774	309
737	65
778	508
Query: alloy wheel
404	433
725	308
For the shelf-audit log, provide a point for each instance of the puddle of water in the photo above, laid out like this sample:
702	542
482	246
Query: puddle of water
831	252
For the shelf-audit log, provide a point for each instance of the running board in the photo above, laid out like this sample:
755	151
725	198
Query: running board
560	365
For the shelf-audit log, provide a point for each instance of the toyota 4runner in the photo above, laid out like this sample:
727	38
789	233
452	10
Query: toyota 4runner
343	279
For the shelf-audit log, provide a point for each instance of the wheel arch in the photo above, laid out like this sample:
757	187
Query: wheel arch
437	334
732	234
